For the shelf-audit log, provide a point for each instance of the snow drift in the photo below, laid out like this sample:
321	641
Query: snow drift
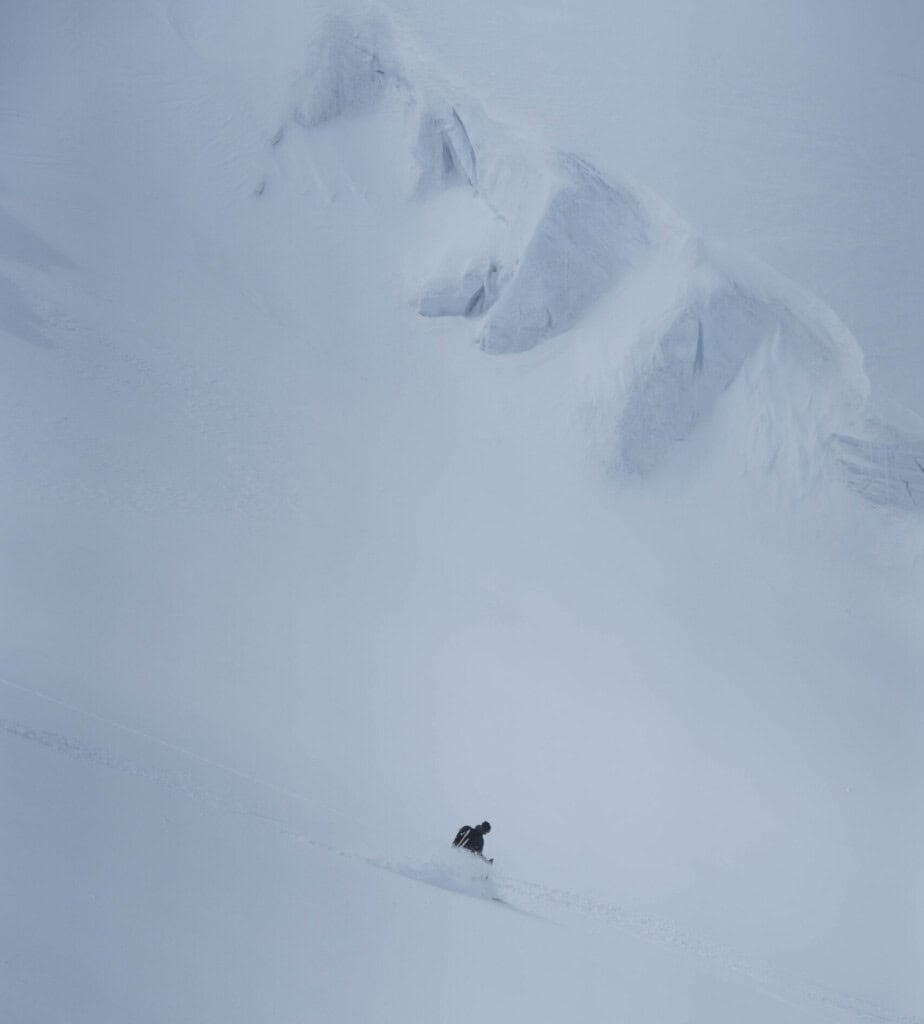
536	239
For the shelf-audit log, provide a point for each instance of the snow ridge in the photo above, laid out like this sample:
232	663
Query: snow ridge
533	243
564	236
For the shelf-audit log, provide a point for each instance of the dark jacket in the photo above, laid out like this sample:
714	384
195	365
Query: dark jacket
470	838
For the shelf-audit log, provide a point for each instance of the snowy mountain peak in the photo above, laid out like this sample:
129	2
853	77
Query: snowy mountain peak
539	240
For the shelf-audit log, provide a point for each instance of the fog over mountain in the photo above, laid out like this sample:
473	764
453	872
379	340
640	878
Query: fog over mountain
418	415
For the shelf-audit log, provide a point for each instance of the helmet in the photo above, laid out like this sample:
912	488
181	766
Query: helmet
486	826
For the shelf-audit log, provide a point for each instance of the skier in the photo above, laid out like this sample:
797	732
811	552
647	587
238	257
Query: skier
472	839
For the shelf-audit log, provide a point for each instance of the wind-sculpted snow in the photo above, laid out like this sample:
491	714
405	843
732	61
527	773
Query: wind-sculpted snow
444	152
589	237
348	73
801	373
470	292
567	234
535	239
885	462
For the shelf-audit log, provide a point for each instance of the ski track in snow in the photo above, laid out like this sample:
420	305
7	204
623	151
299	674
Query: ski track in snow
528	898
764	976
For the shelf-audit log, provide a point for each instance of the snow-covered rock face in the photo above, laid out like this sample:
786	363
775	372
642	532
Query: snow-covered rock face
680	370
534	239
589	237
349	72
445	153
730	332
885	464
470	293
566	236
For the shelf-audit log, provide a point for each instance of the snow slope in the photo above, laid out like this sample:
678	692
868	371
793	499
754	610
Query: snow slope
346	938
296	579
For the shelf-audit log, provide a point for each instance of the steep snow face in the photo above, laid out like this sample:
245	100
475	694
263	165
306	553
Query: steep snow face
565	236
730	329
885	464
350	70
528	241
589	237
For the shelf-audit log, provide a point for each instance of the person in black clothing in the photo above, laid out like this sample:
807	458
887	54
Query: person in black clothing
472	839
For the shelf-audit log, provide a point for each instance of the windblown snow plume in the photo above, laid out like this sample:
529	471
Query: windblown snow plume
527	241
454	870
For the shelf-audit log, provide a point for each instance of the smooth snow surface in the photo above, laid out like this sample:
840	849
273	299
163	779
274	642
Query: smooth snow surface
373	463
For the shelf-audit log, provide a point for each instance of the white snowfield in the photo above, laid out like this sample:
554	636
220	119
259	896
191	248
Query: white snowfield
332	943
370	467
